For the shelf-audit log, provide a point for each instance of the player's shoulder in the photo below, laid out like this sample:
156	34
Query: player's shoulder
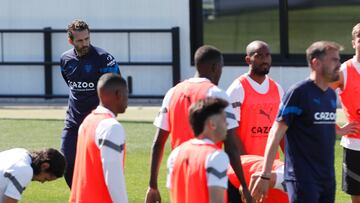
218	158
99	51
300	86
102	53
104	56
217	92
235	86
273	81
299	89
68	54
22	167
110	123
111	129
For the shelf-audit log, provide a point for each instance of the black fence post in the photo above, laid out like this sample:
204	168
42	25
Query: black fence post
284	28
175	55
48	63
130	86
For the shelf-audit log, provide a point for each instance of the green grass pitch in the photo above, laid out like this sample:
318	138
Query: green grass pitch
36	134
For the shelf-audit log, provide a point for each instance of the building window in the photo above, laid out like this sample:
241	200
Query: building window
231	24
316	20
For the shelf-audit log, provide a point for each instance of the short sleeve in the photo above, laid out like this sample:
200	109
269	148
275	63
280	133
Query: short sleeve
236	96
170	165
19	177
162	119
110	64
230	115
217	165
290	106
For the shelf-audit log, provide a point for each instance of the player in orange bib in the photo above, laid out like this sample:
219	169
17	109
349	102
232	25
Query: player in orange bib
173	116
349	90
255	98
99	163
197	168
252	166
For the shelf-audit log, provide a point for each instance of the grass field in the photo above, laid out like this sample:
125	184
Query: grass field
41	132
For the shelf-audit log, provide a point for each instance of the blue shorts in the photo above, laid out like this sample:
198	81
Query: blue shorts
311	192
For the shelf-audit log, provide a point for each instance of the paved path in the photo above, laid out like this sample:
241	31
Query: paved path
133	113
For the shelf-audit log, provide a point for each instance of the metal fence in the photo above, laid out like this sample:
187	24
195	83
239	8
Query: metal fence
48	63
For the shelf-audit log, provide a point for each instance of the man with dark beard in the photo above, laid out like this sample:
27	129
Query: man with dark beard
81	68
255	98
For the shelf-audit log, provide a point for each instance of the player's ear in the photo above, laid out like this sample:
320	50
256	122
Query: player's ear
70	41
211	123
45	166
353	43
314	63
247	59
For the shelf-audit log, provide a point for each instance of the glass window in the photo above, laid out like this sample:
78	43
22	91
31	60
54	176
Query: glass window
231	24
311	21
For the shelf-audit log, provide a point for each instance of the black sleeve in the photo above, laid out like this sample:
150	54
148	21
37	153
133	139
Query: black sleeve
290	107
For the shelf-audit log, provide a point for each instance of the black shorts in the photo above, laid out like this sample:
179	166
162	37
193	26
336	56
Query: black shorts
351	172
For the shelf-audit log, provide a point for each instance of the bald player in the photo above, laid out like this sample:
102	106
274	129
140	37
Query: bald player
98	174
255	98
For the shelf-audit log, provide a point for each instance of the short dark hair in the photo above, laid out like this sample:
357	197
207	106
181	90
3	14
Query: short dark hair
200	111
207	55
51	156
318	49
78	26
110	82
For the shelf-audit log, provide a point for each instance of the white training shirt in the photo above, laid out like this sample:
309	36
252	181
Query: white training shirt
111	157
236	92
349	143
217	160
162	121
15	172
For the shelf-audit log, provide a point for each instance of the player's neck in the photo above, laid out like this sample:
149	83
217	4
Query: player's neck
257	78
319	81
110	108
357	57
202	75
207	135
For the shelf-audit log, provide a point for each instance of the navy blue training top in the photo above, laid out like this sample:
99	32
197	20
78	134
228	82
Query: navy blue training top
81	75
310	114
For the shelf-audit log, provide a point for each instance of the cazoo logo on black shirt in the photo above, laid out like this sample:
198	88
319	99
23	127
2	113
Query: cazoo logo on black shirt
324	118
81	86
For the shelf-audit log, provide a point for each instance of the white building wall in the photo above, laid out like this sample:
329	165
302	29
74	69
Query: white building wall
285	76
107	14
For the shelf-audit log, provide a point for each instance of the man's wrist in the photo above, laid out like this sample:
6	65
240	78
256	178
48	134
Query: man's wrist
265	176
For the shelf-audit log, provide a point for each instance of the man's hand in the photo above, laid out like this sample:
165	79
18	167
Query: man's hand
152	196
260	188
247	196
352	128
